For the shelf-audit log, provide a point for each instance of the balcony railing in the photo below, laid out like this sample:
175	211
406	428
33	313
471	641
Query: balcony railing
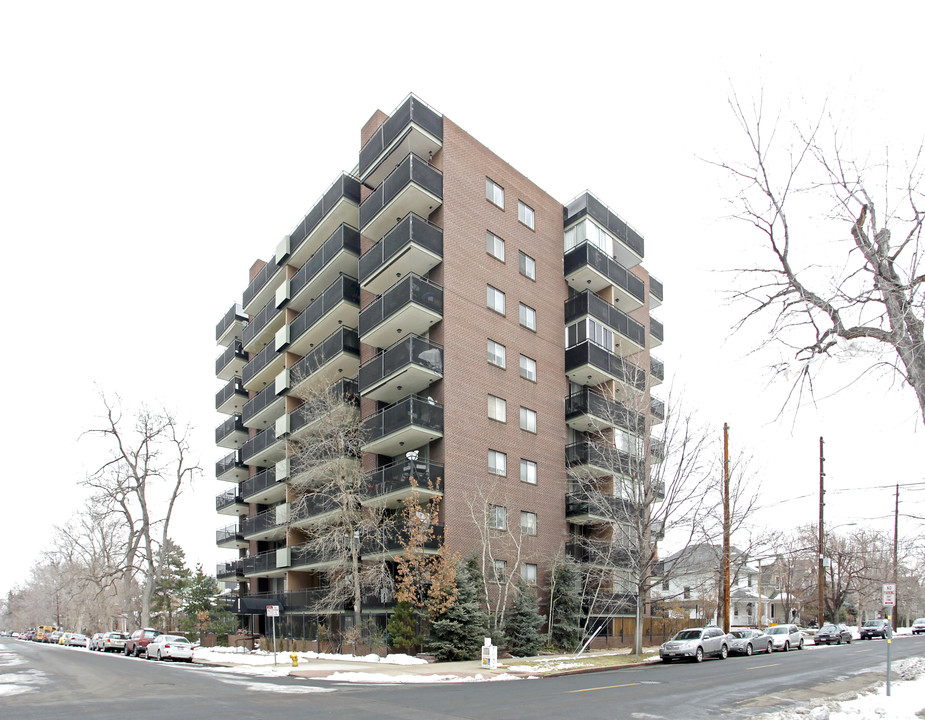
588	303
261	563
587	204
228	499
258	363
397	539
232	463
232	425
263	318
233	394
600	412
338	255
421	419
657	368
346	187
258	483
586	257
309	412
228	534
229	570
415	302
657	329
414	245
230	362
394	480
609	509
412	173
342	342
607	458
260	402
261	279
261	523
658	410
344	289
235	315
603	364
257	444
407	367
303	556
602	553
412	111
656	289
310	507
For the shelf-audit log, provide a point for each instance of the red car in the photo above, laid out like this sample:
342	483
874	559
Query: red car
138	642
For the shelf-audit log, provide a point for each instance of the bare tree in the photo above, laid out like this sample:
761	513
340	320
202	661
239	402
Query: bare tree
866	293
147	470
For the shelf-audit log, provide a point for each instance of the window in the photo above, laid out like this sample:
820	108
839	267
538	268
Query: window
527	471
494	245
528	523
495	299
494	192
528	419
497	408
497	517
528	573
497	462
666	585
497	354
527	317
527	266
687	592
525	213
527	368
498	570
588	329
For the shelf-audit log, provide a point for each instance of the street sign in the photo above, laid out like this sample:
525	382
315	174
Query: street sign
272	610
889	594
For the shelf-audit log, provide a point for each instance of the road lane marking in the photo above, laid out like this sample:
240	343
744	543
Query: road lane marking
606	687
863	651
758	667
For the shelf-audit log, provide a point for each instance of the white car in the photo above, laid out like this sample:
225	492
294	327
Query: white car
787	636
170	647
917	627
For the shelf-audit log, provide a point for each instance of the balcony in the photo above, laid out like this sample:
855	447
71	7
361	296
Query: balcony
263	408
628	245
412	246
408	367
272	563
602	554
629	335
302	557
413	186
656	293
264	449
589	411
230	363
657	411
263	488
337	306
310	510
232	571
587	267
231	326
263	367
580	510
300	420
262	288
656	332
589	364
230	503
656	450
230	537
410	306
231	468
268	525
389	486
231	398
597	459
263	327
338	256
412	128
338	356
656	371
231	433
404	426
394	543
309	599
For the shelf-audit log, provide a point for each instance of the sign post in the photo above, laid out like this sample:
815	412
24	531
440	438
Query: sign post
889	601
273	612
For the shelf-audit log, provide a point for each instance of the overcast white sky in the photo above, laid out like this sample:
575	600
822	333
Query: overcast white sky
149	153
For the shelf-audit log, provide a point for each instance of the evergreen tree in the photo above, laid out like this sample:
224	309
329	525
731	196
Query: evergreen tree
523	621
171	587
565	604
402	628
459	632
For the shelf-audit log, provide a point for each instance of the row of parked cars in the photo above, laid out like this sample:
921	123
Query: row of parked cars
146	642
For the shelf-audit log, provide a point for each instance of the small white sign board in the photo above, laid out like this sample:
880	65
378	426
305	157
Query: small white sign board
272	610
889	594
489	655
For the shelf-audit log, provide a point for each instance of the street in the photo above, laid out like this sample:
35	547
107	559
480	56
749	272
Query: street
71	682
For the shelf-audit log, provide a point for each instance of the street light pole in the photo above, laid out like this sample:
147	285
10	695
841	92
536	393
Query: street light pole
821	583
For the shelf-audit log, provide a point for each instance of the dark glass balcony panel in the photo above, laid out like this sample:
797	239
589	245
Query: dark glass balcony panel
414	186
337	206
580	510
260	564
230	503
264	526
411	305
658	411
231	433
657	330
656	292
396	540
231	468
230	537
589	268
263	408
391	484
338	355
264	449
262	368
338	305
603	554
412	246
232	570
598	459
231	398
590	364
413	127
657	370
586	303
310	509
231	326
303	557
263	488
404	426
408	367
231	361
588	205
261	329
309	412
590	411
260	288
337	256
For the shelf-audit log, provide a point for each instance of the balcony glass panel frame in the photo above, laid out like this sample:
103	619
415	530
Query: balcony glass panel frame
414	245
406	425
413	127
413	186
408	367
410	306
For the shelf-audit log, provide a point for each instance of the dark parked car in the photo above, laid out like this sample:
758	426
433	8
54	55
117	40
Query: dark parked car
137	644
833	634
875	628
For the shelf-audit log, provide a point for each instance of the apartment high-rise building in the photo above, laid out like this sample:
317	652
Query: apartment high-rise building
480	321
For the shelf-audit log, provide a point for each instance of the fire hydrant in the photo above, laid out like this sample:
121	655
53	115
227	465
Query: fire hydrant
295	660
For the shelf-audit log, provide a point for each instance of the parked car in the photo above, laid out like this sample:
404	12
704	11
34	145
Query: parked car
55	637
96	641
786	636
875	628
694	644
77	640
917	627
138	642
837	634
170	647
747	642
114	642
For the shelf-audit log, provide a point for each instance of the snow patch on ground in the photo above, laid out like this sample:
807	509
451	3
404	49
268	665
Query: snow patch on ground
21	682
280	689
262	657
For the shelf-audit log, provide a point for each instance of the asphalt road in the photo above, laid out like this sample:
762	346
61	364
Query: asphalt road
71	683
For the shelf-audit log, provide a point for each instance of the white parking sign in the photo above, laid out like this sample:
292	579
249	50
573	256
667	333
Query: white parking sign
272	610
889	594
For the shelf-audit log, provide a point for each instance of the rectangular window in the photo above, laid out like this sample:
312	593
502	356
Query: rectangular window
528	523
527	266
528	471
497	354
494	192
527	317
497	462
528	419
495	299
666	585
687	592
498	570
497	408
528	573
494	245
527	368
525	214
497	517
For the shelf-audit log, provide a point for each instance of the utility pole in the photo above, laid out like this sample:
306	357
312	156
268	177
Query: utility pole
821	583
896	560
726	529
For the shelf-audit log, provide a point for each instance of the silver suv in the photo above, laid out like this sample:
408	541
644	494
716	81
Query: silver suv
786	636
695	643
